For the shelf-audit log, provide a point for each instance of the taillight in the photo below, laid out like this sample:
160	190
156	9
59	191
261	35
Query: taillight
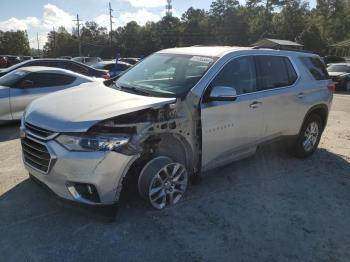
106	76
331	87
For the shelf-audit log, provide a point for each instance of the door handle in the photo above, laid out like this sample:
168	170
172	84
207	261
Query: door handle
301	95
255	104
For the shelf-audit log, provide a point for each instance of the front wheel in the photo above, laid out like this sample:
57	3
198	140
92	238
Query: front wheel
163	182
309	137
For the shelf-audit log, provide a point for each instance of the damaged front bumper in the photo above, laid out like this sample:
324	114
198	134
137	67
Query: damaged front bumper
87	177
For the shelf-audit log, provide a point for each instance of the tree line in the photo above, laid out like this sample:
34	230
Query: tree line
227	22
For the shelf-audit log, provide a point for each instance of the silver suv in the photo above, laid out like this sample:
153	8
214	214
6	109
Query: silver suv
178	112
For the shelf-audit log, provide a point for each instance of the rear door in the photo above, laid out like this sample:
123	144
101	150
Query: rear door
278	92
34	86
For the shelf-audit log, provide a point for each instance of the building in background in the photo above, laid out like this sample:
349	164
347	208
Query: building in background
278	44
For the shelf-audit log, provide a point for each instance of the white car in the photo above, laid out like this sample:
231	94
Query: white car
21	86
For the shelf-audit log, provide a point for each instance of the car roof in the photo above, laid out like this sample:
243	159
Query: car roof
342	64
113	62
213	51
44	69
220	51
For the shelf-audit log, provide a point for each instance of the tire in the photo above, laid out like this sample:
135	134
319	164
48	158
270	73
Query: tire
309	137
162	182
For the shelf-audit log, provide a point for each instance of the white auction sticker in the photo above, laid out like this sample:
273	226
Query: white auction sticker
202	59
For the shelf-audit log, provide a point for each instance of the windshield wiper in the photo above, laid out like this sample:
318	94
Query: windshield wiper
134	90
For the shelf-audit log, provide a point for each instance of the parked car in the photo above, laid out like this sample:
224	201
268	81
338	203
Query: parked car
129	60
21	86
65	57
333	59
25	58
11	59
214	105
60	63
113	68
340	74
87	60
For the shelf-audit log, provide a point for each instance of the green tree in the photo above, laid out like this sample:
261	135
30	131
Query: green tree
14	43
196	28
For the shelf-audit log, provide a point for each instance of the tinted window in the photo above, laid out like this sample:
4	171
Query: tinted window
122	67
39	63
239	74
315	67
47	80
74	67
275	71
12	77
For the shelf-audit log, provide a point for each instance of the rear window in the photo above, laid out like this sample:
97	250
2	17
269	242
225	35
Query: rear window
316	68
275	72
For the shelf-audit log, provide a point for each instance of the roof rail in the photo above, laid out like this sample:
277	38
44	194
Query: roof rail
284	49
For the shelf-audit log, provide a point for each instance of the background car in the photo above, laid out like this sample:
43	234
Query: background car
333	59
25	58
65	57
340	74
11	59
60	63
20	87
129	60
113	68
87	60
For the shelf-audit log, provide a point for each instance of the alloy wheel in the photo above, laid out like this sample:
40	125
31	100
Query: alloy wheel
310	136
168	185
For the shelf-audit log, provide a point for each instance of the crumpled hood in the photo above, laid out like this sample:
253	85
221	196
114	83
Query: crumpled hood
79	108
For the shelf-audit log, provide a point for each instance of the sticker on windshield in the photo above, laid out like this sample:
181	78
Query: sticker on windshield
202	59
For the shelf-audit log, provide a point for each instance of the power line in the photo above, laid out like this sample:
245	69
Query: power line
79	40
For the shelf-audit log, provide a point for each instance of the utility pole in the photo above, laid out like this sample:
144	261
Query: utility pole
37	40
111	25
54	42
79	40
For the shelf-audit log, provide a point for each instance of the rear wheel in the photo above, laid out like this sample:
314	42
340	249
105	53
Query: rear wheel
163	182
309	137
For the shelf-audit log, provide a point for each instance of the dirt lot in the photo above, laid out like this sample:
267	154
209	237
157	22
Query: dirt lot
271	207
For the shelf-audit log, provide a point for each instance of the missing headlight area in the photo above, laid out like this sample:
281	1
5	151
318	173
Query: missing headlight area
148	128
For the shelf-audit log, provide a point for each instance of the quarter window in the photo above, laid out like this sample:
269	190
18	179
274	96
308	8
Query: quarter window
275	72
315	67
239	74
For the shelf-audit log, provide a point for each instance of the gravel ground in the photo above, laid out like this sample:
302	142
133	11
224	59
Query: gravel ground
270	207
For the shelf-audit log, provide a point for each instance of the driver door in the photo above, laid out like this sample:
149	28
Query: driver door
231	129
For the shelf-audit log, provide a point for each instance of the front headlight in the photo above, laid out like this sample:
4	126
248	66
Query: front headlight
98	143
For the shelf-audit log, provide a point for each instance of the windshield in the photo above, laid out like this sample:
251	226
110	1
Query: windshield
12	77
339	68
166	74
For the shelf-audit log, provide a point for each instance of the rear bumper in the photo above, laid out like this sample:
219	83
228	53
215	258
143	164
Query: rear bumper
103	170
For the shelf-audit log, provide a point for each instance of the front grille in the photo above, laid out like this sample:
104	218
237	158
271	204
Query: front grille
39	132
35	154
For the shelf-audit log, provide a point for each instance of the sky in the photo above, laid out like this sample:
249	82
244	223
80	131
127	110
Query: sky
41	16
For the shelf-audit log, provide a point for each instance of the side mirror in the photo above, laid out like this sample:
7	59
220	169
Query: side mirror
27	84
223	93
